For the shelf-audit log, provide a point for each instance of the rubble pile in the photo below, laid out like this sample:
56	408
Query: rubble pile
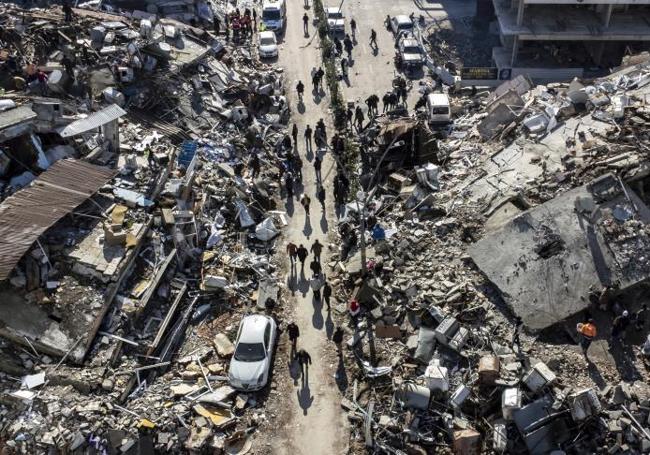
475	271
160	149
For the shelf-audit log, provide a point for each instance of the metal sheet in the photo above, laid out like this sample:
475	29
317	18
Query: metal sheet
25	215
93	121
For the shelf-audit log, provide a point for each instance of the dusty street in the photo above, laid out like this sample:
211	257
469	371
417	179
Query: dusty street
317	424
373	72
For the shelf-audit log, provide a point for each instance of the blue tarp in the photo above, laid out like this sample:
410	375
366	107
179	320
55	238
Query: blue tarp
188	150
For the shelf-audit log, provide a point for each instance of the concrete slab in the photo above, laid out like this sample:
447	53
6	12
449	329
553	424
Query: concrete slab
547	260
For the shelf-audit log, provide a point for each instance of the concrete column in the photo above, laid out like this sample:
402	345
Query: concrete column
607	15
515	50
111	132
520	13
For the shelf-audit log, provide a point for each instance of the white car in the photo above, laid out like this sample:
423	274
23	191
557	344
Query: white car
251	363
335	19
268	45
401	24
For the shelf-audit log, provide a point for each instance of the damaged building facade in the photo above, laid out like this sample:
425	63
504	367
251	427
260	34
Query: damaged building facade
552	40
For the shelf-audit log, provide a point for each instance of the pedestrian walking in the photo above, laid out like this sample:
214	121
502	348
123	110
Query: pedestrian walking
294	134
359	118
315	268
304	359
640	316
337	338
255	18
297	163
338	45
386	100
321	197
321	74
373	39
347	43
216	24
42	81
305	24
308	132
305	201
302	253
68	65
318	161
327	293
620	324
354	308
587	332
292	251
254	164
67	11
300	88
344	67
353	27
349	115
316	249
515	336
294	333
288	182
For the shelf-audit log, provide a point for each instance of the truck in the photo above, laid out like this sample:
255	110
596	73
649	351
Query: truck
438	110
274	15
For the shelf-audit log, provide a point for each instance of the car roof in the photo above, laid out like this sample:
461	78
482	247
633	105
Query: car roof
402	18
410	42
267	34
252	330
438	99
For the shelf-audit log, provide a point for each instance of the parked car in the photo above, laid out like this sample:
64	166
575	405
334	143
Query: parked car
268	44
410	55
401	24
335	20
251	363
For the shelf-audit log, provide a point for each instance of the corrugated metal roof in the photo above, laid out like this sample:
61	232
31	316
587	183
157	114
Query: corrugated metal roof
27	214
15	116
93	121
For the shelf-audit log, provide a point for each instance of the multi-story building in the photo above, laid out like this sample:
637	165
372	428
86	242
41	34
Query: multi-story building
553	40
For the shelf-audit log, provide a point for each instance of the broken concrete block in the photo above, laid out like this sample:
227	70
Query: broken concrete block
584	404
183	389
437	376
467	442
538	377
459	396
510	402
413	395
488	369
223	345
198	438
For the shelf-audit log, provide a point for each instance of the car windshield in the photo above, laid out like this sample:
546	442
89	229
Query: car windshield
271	15
335	15
411	49
405	26
267	41
250	352
439	110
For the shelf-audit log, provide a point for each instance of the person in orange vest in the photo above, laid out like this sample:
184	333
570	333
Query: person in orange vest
588	332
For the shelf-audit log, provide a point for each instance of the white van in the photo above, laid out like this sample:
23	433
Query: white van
438	108
274	14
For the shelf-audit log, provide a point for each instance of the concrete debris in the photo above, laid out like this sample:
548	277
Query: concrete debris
122	311
534	218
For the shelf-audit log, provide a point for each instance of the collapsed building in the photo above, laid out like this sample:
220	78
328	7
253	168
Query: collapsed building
531	205
133	229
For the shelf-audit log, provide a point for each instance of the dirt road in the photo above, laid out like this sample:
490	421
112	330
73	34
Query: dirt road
317	424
